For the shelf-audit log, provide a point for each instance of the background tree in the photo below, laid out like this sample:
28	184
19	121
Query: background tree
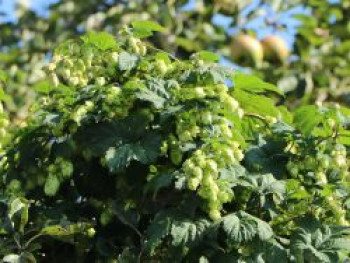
318	58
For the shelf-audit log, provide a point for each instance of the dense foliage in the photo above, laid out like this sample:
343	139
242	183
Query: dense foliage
132	155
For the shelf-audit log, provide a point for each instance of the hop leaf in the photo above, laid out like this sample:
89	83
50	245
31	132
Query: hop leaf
242	227
156	231
18	213
187	232
145	28
154	93
127	61
307	118
208	56
101	40
252	84
238	230
67	230
144	151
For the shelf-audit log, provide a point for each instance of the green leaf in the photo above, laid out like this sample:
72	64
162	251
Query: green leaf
265	158
186	232
344	137
55	231
156	231
218	74
267	184
144	151
52	184
154	92
253	84
127	61
321	244
150	96
271	251
4	96
3	76
307	118
295	190
265	231
341	243
18	213
128	216
242	227
208	56
257	104
158	182
99	137
67	230
42	87
101	40
238	227
233	173
144	28
161	55
188	44
118	159
287	117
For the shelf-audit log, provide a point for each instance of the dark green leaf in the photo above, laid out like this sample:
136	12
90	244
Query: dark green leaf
144	151
99	137
239	229
156	231
186	232
151	96
158	182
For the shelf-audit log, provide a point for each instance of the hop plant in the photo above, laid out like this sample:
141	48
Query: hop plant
316	166
131	140
99	82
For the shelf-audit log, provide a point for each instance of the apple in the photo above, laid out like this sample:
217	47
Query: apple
246	49
275	49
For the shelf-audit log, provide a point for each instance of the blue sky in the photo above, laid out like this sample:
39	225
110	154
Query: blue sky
8	7
285	18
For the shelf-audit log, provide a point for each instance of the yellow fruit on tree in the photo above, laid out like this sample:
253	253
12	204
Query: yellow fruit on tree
275	48
247	50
